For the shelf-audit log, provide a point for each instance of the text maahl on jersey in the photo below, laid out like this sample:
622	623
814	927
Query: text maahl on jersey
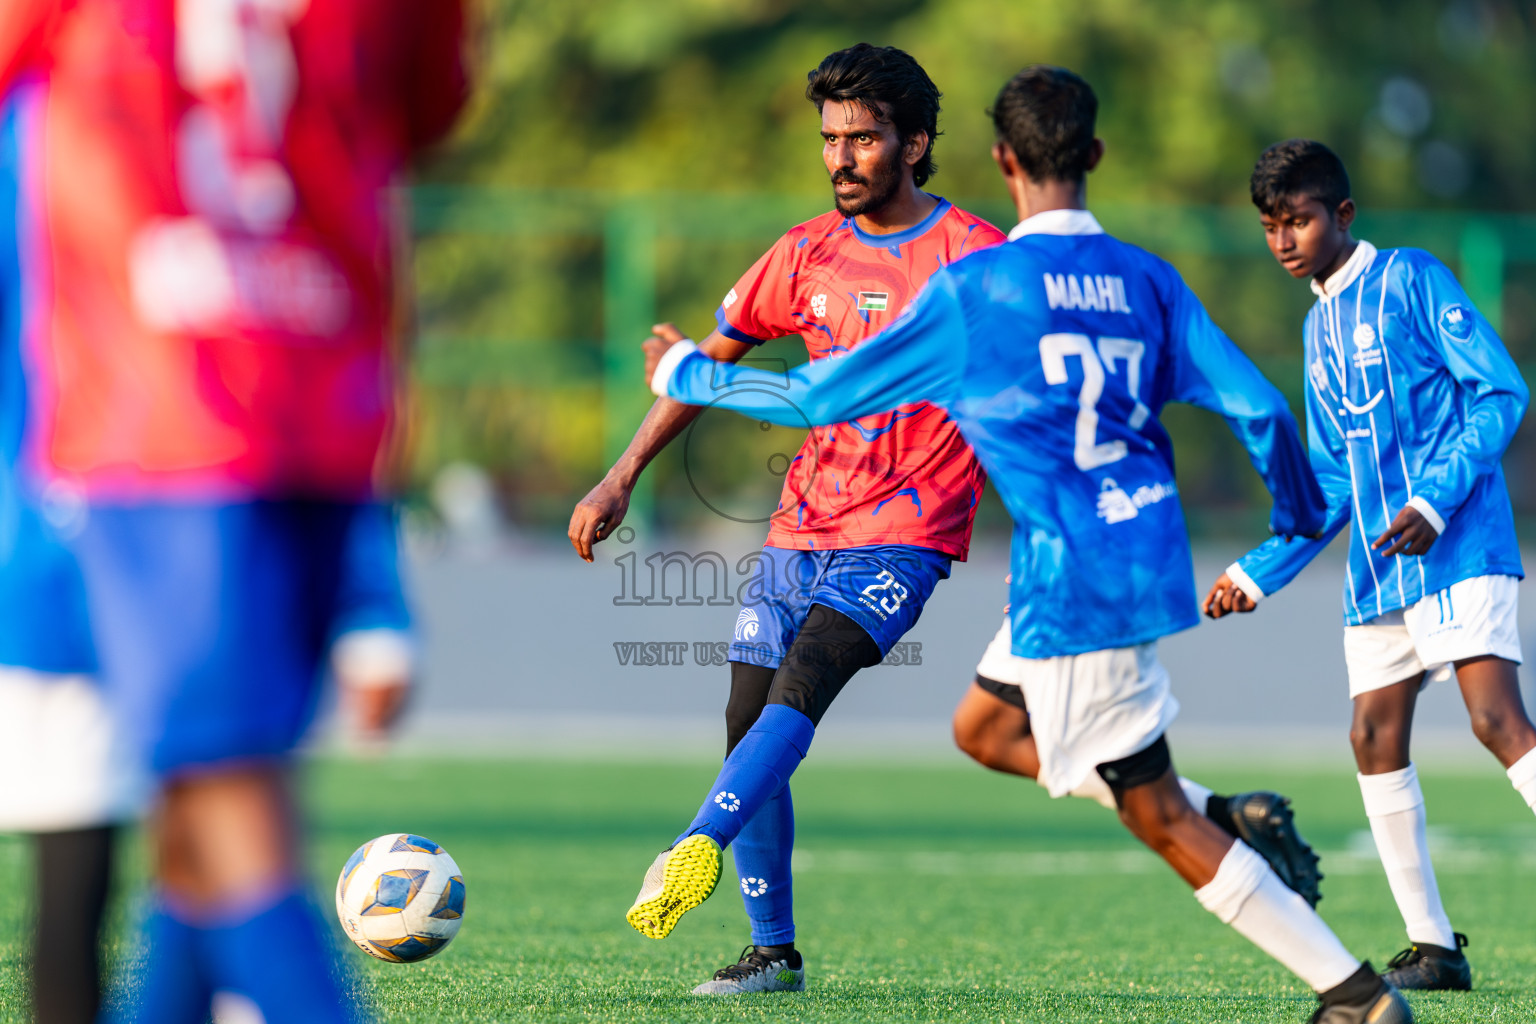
1099	292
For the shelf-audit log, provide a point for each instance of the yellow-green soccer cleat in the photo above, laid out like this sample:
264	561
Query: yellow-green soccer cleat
681	877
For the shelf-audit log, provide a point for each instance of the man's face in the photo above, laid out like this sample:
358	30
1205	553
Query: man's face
864	157
1304	235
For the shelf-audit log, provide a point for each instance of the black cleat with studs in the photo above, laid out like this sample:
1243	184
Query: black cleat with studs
1264	821
1426	968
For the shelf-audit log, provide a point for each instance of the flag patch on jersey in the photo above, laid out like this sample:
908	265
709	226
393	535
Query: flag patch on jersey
874	301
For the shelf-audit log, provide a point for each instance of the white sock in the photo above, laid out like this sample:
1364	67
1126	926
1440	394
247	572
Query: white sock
1395	805
1095	788
1522	774
1195	793
1247	895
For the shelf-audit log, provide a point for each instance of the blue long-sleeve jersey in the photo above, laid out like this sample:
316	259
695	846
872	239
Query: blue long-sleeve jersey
1055	353
1411	399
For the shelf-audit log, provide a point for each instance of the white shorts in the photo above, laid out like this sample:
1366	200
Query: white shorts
62	766
1085	709
1469	619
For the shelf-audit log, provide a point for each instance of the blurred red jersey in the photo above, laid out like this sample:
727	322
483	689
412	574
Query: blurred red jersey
208	279
902	477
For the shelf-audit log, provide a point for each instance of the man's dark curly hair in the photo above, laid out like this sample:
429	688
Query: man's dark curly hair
888	83
1298	169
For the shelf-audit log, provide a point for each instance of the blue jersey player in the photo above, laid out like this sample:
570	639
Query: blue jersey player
1055	354
1411	401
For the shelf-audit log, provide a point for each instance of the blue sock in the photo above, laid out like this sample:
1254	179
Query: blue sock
762	853
756	770
173	987
280	958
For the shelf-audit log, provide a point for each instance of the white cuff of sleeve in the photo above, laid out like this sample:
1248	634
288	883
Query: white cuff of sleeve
1428	512
668	366
1245	583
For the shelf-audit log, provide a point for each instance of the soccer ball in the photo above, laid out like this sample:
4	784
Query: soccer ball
400	898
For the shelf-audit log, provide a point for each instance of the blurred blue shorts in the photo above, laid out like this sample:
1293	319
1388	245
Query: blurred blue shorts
882	587
211	622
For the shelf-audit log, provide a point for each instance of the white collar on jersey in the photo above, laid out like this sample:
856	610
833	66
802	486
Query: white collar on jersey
1345	276
1057	222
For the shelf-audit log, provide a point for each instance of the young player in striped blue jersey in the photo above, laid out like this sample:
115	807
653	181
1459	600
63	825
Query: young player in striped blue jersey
1055	354
1411	401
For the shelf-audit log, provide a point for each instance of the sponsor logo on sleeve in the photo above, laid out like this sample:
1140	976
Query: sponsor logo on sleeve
729	300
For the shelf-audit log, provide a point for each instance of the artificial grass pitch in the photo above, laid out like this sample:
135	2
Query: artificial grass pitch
923	893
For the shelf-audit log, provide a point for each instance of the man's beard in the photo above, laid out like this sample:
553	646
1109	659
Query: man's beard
878	190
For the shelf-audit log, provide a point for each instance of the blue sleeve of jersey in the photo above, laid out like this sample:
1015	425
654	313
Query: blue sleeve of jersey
1213	373
1277	561
1474	355
918	358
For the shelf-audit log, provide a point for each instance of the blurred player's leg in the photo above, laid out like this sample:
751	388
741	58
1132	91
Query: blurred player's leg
211	625
74	870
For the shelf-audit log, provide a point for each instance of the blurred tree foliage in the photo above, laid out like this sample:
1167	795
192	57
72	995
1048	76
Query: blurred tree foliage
1428	103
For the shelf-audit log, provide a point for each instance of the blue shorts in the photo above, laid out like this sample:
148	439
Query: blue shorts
882	587
211	623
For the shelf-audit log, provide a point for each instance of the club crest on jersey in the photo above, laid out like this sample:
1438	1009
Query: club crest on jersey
874	301
1456	321
1365	336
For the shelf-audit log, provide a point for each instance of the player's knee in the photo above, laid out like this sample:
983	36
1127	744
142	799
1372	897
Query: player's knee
977	741
1373	739
1497	729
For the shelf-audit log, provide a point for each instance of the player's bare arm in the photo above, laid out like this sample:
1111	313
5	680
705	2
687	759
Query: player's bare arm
1409	534
1226	597
598	514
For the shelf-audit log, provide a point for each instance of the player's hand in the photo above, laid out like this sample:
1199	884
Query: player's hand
1226	597
1414	535
373	709
663	337
598	515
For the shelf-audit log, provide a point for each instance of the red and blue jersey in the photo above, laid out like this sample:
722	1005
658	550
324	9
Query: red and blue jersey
207	276
900	477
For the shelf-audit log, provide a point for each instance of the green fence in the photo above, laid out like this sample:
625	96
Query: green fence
629	229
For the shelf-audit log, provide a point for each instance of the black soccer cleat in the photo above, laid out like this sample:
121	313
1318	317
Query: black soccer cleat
1363	998
1427	968
1264	821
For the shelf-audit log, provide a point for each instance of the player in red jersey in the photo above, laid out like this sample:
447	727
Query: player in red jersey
872	512
207	289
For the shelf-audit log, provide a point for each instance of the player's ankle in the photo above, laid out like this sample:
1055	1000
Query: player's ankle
1219	810
786	951
1356	988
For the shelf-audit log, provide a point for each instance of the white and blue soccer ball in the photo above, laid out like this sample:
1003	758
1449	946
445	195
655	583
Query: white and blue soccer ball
400	897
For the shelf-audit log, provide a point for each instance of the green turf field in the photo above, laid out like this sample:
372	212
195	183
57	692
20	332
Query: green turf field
925	892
